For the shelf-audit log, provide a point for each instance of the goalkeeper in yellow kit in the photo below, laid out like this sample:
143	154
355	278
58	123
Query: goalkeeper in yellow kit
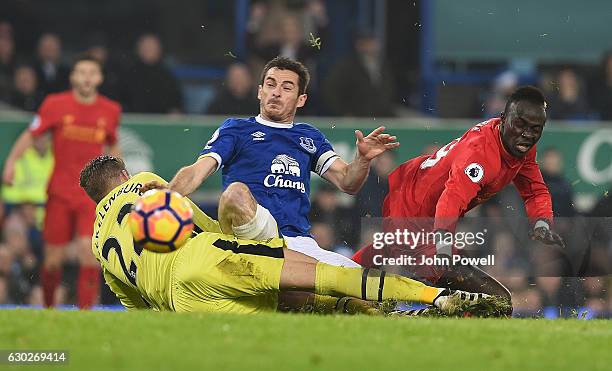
216	272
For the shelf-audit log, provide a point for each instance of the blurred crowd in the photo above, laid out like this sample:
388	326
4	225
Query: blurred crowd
356	80
573	94
142	83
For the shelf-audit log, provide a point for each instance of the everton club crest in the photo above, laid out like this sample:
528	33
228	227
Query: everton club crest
308	144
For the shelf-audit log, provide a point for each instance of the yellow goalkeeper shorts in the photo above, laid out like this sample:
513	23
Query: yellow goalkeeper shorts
220	273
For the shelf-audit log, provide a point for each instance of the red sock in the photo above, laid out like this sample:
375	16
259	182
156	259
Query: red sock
50	282
88	287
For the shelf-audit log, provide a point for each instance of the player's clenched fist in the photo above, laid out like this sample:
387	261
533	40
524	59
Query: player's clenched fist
152	185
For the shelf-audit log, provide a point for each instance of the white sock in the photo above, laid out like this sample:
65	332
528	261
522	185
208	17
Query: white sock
262	227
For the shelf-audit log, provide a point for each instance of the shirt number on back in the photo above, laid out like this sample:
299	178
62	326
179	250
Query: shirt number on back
112	243
434	159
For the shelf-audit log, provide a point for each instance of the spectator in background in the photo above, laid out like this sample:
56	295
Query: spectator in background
595	293
603	207
259	29
2	215
560	188
327	240
361	85
278	28
25	94
370	198
548	288
6	263
52	74
265	20
601	240
151	86
315	18
7	61
568	102
32	173
23	262
291	43
600	88
326	209
237	95
98	49
503	86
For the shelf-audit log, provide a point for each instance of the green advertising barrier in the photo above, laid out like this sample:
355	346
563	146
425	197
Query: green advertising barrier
165	144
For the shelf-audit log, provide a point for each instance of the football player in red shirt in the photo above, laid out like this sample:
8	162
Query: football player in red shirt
432	192
83	125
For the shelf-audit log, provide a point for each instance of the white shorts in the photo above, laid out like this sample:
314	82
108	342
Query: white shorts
308	246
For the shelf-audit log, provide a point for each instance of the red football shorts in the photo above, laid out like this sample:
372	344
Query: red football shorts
66	218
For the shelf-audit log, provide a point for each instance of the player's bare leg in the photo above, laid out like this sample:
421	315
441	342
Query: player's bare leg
302	273
240	214
51	274
237	206
474	279
89	274
54	257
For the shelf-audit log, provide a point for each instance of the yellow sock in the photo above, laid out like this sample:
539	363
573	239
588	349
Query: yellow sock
370	284
324	304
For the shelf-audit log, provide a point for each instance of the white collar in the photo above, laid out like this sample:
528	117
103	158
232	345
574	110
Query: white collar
273	124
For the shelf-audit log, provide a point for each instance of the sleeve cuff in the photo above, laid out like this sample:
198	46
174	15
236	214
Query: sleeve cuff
325	161
213	155
541	223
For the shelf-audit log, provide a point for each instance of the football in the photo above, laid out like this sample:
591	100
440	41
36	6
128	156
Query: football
161	220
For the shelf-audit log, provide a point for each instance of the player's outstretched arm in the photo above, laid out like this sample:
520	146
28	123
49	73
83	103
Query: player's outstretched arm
189	178
25	141
200	218
349	178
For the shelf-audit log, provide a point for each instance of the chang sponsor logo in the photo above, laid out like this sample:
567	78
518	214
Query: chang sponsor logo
282	168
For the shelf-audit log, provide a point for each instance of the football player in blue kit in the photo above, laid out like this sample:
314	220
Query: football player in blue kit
266	162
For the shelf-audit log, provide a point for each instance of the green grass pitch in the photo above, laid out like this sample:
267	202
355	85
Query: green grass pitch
164	341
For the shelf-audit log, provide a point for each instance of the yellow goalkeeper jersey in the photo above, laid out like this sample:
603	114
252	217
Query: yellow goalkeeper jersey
139	278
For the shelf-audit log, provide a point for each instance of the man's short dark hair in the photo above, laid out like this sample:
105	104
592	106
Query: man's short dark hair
85	57
283	63
97	175
527	93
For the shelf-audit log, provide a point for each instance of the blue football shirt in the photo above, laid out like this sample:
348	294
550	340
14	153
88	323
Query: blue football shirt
274	160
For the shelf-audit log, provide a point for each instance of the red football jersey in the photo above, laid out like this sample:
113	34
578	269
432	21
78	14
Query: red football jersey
464	173
79	133
433	192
